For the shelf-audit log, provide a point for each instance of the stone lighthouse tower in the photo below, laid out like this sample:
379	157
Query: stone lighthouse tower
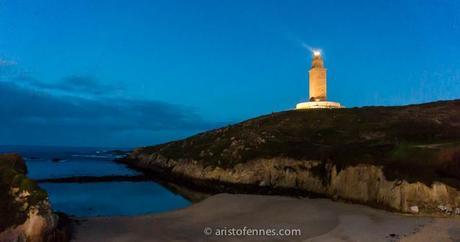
318	86
317	78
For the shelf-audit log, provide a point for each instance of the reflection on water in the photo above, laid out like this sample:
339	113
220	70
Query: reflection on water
73	166
112	198
118	198
189	194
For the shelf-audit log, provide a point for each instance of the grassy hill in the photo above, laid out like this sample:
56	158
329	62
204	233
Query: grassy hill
404	158
415	142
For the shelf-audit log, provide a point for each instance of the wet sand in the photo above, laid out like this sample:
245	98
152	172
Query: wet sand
317	220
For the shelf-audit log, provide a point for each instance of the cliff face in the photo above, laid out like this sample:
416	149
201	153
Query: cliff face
401	158
25	213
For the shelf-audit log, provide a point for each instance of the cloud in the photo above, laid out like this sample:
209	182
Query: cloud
4	62
19	103
32	112
85	84
74	84
7	69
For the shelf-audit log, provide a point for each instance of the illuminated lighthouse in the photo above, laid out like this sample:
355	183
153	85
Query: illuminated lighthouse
317	76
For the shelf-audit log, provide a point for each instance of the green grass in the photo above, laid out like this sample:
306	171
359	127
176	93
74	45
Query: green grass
386	136
13	175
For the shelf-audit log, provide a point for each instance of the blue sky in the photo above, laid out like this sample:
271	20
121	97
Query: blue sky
130	73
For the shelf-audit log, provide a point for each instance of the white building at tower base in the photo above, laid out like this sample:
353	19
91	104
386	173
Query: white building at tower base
318	104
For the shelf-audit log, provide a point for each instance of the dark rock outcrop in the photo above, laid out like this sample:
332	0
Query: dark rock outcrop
404	158
25	213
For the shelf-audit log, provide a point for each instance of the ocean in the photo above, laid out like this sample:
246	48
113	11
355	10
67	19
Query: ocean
114	198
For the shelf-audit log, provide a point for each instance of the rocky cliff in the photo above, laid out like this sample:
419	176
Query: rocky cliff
403	158
25	213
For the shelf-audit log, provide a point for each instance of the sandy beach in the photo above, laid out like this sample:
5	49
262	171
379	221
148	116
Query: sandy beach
316	219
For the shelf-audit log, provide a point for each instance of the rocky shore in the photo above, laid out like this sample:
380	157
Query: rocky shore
405	159
25	212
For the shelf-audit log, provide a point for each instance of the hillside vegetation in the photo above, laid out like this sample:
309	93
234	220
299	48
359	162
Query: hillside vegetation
13	178
403	158
25	212
419	142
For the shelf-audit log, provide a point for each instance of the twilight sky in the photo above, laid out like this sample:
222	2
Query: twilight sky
130	73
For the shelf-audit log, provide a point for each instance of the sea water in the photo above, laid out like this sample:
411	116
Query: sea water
118	198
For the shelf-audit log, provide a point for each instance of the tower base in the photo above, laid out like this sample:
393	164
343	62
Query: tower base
318	104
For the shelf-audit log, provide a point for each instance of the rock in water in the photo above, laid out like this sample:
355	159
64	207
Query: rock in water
414	209
25	213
